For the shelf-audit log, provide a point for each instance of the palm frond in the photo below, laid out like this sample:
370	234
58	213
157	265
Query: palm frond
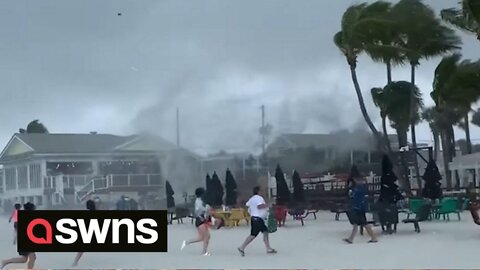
474	7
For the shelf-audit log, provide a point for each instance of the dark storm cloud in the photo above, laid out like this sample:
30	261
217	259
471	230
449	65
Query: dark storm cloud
78	66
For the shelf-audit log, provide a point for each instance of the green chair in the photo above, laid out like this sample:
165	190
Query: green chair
414	206
448	206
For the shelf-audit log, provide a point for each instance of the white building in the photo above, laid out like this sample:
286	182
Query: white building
55	169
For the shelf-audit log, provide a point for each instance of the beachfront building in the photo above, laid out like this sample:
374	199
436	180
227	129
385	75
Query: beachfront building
468	169
57	169
320	153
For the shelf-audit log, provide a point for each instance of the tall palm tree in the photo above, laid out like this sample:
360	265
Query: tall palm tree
383	42
431	116
383	47
456	85
422	37
455	89
356	29
396	105
379	101
466	17
476	118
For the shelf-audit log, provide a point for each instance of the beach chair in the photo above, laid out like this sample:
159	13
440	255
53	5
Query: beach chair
422	215
298	214
338	210
236	215
180	214
414	205
448	206
280	214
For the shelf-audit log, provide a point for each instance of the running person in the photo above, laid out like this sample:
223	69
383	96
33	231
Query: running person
202	222
14	216
24	257
358	210
90	206
258	209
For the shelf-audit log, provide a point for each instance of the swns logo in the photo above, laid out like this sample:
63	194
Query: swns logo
92	231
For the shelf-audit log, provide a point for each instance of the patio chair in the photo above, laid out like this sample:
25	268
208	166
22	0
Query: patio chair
298	214
280	214
237	215
414	206
338	209
422	215
448	206
180	214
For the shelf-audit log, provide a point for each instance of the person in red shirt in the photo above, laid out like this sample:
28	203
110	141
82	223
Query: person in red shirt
14	216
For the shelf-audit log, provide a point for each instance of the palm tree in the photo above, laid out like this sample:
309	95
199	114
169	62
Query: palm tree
383	41
379	101
431	116
466	17
395	102
382	47
34	127
456	85
422	37
356	30
476	118
455	89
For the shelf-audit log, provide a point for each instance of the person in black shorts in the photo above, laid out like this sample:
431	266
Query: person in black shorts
29	257
90	205
258	209
203	222
357	213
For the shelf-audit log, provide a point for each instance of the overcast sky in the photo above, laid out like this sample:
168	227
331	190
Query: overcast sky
79	67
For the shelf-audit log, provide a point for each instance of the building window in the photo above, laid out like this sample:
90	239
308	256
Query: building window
35	176
10	179
22	177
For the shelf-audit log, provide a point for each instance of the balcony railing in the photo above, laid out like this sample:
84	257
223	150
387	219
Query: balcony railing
69	181
118	180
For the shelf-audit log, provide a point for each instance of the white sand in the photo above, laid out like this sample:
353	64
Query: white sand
318	244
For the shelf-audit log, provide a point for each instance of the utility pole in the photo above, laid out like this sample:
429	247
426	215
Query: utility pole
178	128
263	129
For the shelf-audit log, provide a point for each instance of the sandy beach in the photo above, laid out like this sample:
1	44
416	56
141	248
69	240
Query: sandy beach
318	244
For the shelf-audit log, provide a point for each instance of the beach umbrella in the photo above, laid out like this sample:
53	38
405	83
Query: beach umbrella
218	190
389	192
283	193
208	197
298	193
231	189
432	188
170	193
